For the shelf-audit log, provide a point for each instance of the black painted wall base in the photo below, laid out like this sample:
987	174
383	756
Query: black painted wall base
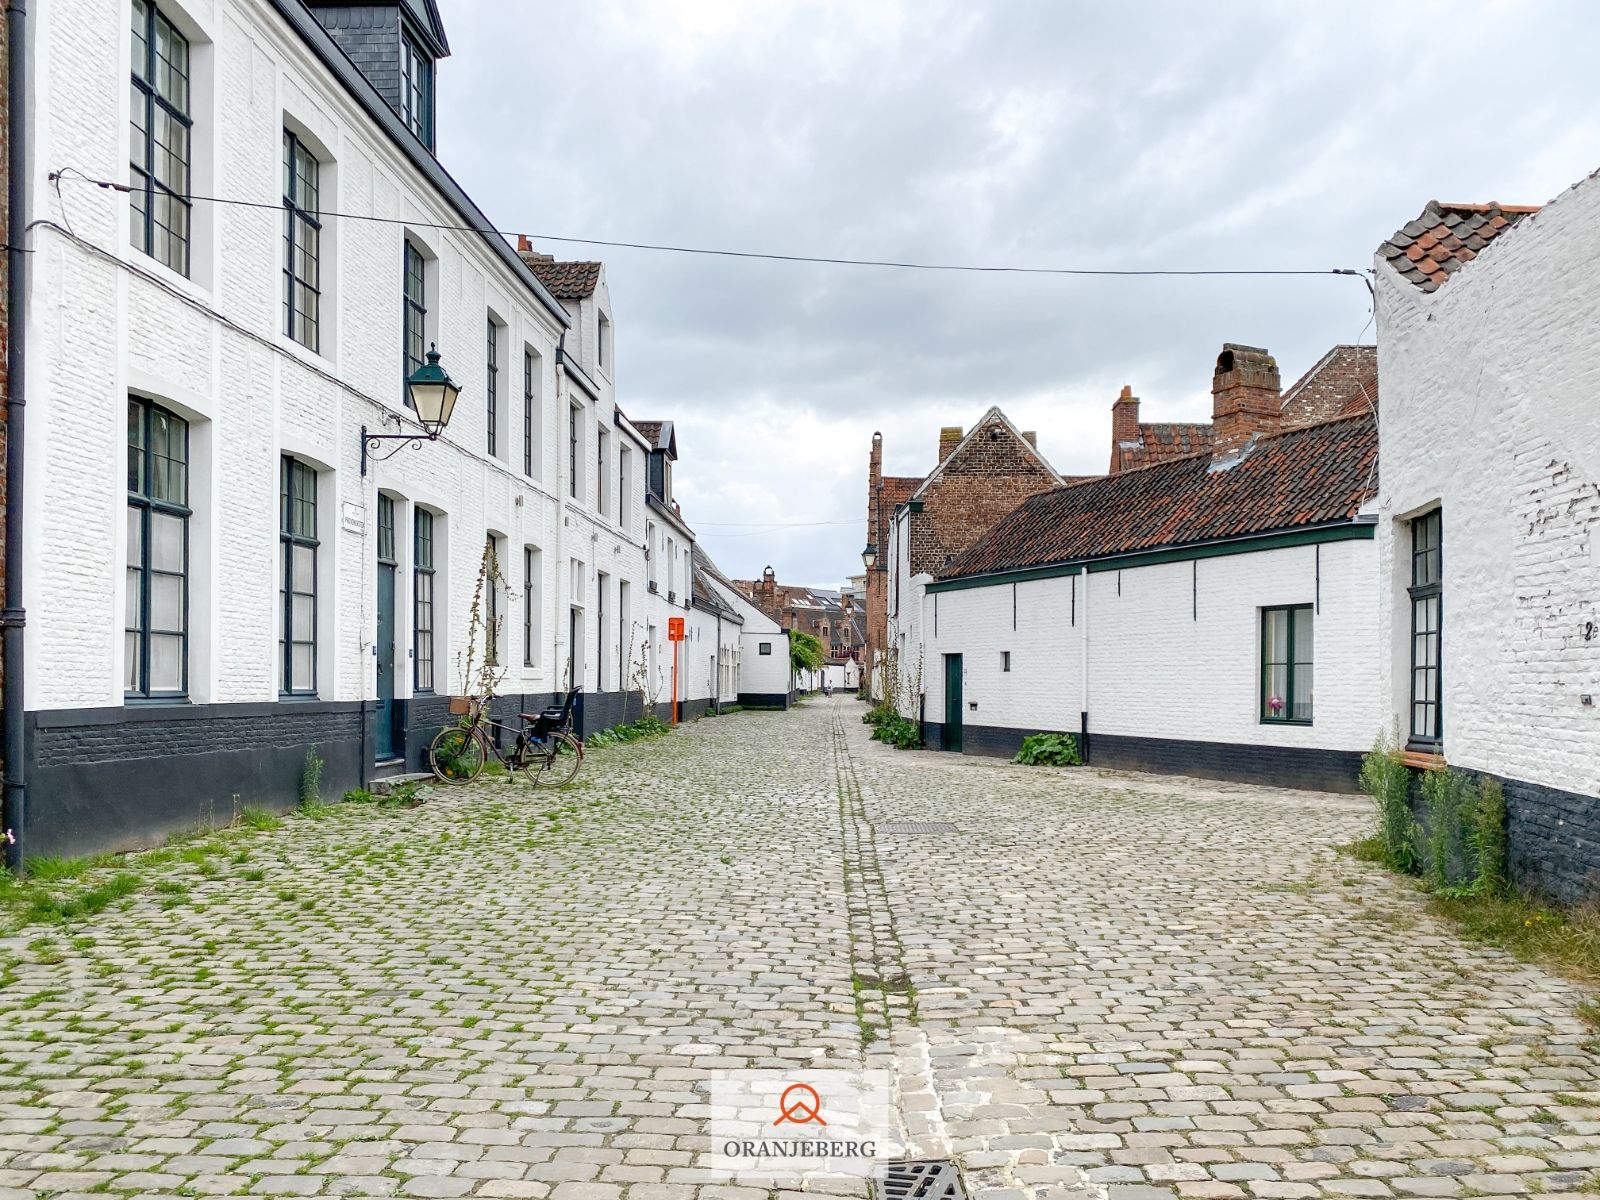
1552	841
1280	766
766	699
124	778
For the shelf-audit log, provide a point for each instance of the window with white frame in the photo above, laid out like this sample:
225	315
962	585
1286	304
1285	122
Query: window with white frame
156	641
161	152
624	479
532	465
602	471
602	342
574	443
493	603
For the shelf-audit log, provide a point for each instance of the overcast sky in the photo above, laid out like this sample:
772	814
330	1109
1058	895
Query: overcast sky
1026	133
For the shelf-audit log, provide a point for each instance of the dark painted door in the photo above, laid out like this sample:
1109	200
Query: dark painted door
383	720
952	702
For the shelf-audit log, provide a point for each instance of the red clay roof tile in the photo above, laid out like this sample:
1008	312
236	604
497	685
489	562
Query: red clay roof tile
1429	250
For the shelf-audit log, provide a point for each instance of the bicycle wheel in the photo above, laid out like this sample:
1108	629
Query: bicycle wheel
555	766
456	755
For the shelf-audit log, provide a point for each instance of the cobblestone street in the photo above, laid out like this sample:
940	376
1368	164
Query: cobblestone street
1094	985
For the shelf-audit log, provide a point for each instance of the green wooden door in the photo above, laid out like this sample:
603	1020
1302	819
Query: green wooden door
952	702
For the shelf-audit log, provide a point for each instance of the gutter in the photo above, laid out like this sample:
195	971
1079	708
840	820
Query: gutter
14	617
304	23
577	373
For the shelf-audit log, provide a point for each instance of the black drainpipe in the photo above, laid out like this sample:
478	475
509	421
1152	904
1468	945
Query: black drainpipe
13	616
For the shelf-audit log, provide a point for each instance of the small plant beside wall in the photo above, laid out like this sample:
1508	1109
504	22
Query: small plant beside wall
1049	750
890	728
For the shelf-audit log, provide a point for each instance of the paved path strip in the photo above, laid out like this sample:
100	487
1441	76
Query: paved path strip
1098	985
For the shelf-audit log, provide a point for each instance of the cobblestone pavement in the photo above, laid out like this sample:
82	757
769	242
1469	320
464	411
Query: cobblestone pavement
1095	985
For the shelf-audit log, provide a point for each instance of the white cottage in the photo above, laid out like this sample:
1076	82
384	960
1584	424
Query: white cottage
1210	615
224	571
1489	512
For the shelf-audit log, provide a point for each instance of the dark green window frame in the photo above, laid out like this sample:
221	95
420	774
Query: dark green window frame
414	313
416	89
491	388
1286	663
528	359
1426	595
297	538
302	243
161	139
422	602
158	496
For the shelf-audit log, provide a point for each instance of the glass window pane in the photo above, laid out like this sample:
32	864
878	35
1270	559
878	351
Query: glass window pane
1277	675
304	562
135	536
1303	638
166	663
130	662
166	542
166	602
1302	691
301	674
303	610
133	606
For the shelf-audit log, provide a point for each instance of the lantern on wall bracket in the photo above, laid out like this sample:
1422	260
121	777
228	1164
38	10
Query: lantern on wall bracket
869	556
433	398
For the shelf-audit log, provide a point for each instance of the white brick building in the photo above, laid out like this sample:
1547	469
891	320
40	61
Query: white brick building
1489	529
218	579
1212	614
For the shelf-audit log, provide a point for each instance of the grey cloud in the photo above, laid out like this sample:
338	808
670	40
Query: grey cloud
1022	131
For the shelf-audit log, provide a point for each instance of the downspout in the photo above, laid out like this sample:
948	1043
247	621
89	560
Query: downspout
1083	668
14	617
563	621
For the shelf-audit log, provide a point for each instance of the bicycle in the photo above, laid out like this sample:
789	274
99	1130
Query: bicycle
542	749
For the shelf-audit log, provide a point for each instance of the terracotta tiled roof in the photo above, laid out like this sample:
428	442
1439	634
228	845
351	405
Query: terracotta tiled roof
1162	441
1446	237
1308	476
565	280
649	430
1343	383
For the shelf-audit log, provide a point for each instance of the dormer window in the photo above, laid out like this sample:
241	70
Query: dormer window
416	89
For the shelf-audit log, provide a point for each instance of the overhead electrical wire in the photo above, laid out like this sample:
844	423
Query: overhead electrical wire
827	260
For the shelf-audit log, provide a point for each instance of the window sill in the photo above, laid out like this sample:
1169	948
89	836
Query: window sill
300	697
1422	757
155	701
1274	721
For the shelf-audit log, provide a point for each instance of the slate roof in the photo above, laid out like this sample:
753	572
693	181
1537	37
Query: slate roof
1162	441
1309	476
564	280
704	595
1445	237
1343	383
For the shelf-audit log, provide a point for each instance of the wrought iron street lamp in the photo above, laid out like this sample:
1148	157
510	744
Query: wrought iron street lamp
433	398
869	556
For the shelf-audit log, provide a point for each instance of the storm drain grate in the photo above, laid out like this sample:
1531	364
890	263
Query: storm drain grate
915	827
936	1180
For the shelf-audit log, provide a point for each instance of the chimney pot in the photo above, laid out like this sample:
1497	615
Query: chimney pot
523	244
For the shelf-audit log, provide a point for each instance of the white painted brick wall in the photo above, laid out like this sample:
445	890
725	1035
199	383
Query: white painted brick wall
214	352
1488	412
1175	655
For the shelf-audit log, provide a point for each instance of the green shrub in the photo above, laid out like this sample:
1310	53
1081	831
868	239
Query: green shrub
311	780
647	726
1386	778
890	728
260	818
1049	750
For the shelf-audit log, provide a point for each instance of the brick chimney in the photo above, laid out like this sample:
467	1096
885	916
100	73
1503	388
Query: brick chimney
528	254
1031	437
1245	396
949	439
1124	425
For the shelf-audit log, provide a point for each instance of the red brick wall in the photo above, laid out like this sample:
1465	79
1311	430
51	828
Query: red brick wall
982	482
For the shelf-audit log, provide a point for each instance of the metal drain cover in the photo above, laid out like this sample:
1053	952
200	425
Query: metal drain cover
915	827
933	1180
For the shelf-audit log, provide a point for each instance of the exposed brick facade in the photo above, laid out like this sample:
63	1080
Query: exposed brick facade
826	615
986	476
